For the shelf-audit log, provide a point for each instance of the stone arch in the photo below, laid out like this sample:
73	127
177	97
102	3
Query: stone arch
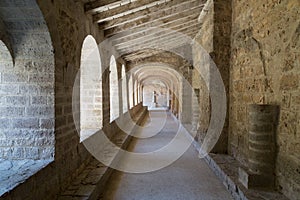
174	60
6	41
28	86
90	88
6	57
114	89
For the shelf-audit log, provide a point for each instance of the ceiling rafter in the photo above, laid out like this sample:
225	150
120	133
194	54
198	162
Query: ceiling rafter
160	45
139	29
179	29
168	36
143	13
126	9
99	5
139	32
162	16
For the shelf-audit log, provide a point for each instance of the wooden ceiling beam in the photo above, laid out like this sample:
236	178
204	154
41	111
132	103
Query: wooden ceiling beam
159	33
168	46
123	10
143	32
163	18
164	45
166	37
140	56
96	6
143	15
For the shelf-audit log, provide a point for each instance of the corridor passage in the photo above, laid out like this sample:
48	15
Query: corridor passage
187	178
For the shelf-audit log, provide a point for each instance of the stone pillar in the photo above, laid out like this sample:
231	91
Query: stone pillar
262	147
185	115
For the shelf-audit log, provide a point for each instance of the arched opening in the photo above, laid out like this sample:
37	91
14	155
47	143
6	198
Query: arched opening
114	89
27	117
8	91
124	90
90	88
130	91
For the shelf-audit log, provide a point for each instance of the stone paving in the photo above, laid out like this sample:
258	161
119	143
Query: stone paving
186	178
15	172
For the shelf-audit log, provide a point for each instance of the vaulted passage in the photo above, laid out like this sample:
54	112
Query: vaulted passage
149	99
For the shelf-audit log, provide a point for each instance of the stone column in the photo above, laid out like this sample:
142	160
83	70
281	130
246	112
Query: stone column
262	147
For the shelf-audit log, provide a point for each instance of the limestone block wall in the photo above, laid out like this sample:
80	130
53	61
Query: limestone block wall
204	39
265	68
26	83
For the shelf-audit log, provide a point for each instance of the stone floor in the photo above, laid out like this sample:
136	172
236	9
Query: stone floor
186	178
15	172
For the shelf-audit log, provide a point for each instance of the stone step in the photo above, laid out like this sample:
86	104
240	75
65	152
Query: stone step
90	184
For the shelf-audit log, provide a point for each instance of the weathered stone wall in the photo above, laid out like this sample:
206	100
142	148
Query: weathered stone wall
204	39
68	26
221	57
265	68
214	37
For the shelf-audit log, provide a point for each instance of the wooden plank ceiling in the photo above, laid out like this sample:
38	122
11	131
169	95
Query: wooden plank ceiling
140	26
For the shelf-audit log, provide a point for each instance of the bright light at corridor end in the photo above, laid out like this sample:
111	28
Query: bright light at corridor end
99	145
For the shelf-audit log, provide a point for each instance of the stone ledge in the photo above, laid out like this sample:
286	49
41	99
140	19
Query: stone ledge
90	183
